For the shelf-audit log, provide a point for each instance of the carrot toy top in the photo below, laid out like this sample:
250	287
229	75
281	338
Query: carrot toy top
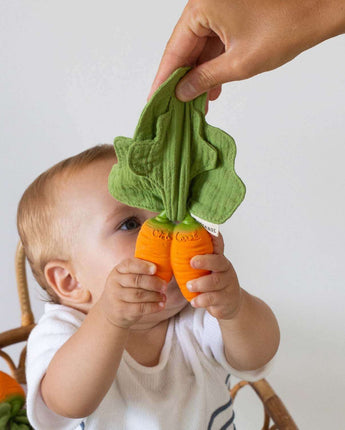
176	161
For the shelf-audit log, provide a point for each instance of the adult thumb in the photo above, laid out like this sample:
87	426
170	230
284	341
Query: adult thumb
204	77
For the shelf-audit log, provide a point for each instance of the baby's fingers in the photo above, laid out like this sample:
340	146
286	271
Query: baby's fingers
208	283
136	265
137	310
141	281
212	262
138	295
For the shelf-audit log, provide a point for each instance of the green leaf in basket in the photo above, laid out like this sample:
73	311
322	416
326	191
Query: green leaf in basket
5	414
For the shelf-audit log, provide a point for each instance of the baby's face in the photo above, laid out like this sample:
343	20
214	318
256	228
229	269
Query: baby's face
105	233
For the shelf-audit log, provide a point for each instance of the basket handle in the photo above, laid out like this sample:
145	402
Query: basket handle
22	286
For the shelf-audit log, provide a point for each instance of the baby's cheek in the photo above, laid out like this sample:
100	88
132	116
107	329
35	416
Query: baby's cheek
125	248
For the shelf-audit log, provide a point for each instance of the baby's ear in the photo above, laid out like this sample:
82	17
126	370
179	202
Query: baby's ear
61	279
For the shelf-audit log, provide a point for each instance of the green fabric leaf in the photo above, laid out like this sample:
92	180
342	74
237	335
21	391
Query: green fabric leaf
16	404
5	414
125	185
22	419
16	426
12	416
222	183
176	161
21	413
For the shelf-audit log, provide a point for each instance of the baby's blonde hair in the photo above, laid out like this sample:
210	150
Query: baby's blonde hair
40	230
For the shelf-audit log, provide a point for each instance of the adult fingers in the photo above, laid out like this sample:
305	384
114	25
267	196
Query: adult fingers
214	93
182	49
213	48
172	59
204	50
205	77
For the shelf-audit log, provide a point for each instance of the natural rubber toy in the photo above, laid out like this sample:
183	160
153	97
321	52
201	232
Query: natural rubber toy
12	399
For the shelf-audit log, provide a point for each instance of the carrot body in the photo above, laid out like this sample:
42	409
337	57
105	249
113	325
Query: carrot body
190	239
154	243
10	389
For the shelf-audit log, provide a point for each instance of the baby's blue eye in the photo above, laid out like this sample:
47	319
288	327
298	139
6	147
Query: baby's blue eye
131	223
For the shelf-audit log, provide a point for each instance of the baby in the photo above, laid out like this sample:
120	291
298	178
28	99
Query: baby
117	347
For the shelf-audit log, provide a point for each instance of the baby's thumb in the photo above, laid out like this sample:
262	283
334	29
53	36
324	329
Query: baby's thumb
204	77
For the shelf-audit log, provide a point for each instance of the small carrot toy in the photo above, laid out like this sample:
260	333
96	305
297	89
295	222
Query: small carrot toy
176	161
10	390
12	399
190	239
154	242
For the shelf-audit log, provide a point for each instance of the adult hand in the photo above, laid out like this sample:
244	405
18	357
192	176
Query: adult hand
228	40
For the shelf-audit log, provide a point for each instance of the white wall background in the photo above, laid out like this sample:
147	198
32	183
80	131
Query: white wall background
74	74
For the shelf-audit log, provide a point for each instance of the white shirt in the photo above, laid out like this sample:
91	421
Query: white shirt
188	389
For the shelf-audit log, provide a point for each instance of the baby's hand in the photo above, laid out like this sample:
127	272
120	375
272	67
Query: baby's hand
132	291
220	290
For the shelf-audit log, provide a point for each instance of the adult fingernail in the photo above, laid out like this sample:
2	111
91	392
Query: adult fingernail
185	91
152	269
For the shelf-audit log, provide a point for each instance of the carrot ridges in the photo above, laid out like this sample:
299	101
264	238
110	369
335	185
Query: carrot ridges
154	243
171	247
190	238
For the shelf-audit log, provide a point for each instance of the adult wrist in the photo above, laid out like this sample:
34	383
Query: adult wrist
319	20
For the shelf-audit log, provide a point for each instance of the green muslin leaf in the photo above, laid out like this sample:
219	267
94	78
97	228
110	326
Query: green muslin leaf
16	404
225	188
5	414
22	419
13	415
176	161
